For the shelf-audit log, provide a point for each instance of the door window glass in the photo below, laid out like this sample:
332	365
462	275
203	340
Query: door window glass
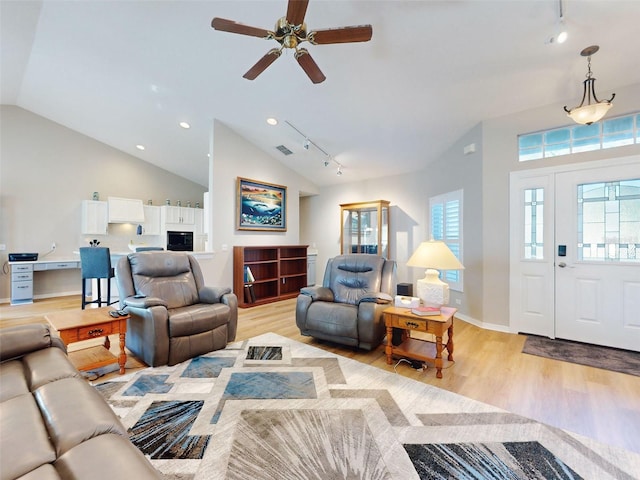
534	223
609	221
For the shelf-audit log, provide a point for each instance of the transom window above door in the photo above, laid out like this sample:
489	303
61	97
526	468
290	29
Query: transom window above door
611	133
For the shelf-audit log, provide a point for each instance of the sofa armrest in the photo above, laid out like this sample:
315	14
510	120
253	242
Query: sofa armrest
318	294
212	294
376	297
143	302
22	339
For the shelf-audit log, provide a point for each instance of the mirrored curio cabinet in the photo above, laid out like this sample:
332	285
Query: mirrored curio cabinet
365	228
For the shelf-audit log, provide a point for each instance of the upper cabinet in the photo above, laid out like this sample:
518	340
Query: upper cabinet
178	215
365	228
94	217
125	210
151	225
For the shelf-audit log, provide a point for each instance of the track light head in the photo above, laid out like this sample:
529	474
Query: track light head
326	163
339	172
306	144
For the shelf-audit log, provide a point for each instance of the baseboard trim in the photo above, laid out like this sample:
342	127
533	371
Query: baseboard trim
484	325
45	296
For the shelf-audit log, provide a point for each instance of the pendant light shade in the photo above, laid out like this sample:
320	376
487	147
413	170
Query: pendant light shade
591	112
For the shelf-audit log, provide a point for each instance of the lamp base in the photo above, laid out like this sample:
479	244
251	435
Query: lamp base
431	290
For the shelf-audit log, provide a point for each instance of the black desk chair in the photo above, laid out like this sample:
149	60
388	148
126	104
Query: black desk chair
95	262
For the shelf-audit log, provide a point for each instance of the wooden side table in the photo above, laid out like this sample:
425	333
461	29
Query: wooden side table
399	317
77	325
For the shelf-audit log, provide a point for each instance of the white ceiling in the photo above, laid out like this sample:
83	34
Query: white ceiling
126	72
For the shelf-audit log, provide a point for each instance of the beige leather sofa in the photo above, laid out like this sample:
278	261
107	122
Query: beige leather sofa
174	316
53	424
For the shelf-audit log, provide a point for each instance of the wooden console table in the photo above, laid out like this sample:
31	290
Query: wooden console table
77	325
425	351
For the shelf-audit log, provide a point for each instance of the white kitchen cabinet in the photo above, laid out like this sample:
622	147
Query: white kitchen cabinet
178	215
198	214
94	217
151	224
125	210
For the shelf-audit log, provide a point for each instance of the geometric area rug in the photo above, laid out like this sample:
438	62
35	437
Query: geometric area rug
274	408
607	358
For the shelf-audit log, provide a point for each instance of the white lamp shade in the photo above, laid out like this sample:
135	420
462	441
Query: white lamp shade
434	254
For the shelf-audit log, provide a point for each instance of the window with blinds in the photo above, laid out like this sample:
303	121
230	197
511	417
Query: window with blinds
446	225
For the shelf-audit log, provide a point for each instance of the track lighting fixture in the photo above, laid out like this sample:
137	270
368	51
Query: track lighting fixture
591	112
306	144
560	35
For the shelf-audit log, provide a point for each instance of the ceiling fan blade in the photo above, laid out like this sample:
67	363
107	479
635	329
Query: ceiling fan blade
359	33
235	27
296	10
262	64
309	66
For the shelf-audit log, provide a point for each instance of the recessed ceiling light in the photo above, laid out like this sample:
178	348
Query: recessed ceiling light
140	147
185	125
272	121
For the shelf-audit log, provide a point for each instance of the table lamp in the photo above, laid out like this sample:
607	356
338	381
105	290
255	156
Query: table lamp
434	255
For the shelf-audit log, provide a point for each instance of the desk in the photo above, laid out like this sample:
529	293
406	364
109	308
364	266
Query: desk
397	317
22	276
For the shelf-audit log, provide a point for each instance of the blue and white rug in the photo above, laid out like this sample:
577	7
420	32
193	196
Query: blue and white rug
274	408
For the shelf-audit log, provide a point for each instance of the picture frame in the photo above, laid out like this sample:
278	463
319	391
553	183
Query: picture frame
261	206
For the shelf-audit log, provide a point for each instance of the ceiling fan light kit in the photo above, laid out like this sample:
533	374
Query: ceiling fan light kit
289	32
591	112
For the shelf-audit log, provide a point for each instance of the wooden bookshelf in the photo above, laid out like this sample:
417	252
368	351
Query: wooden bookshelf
277	273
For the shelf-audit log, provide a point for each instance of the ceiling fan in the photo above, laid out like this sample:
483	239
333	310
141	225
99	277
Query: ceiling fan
290	31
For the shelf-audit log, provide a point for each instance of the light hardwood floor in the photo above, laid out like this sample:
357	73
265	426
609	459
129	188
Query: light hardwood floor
489	367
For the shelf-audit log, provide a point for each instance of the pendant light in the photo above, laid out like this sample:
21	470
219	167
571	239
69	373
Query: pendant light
591	112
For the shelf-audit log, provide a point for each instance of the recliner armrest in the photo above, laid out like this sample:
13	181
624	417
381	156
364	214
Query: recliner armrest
212	294
318	294
376	297
144	302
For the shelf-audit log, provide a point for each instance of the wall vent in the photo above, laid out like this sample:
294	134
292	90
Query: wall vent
284	150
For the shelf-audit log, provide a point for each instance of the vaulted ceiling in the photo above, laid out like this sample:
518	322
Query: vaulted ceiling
127	72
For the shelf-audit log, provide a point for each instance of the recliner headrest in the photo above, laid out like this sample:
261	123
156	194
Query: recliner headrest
354	268
160	264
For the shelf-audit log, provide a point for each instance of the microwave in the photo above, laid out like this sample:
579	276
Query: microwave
180	241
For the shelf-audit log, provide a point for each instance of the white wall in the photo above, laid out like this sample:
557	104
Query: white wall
409	215
484	177
500	158
233	157
46	170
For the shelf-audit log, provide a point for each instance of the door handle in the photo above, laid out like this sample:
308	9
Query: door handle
562	265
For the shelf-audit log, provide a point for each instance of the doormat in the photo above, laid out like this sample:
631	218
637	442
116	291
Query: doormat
607	358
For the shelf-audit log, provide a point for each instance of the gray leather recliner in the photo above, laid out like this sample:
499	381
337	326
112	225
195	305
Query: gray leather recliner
348	307
174	316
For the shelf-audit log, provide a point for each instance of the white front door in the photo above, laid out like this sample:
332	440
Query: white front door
575	252
531	264
598	281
